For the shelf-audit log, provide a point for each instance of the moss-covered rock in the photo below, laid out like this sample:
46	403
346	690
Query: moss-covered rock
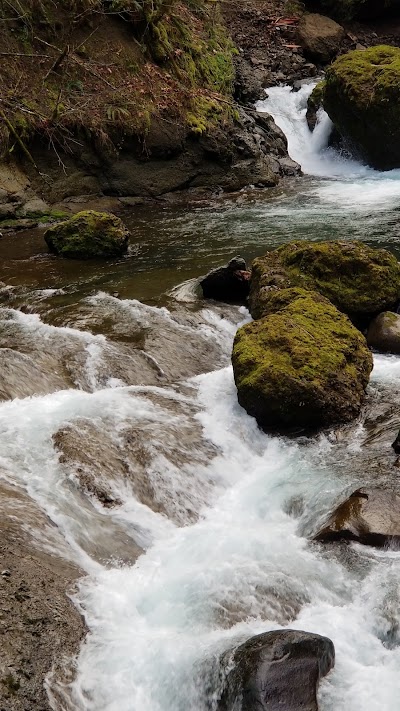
88	235
314	104
362	97
304	366
357	279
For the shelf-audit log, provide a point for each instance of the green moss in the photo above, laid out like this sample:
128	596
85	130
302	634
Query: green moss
362	97
304	365
205	114
89	234
315	100
359	280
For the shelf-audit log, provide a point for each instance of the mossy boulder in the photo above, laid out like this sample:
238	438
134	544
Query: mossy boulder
357	279
304	366
362	97
370	516
88	235
314	104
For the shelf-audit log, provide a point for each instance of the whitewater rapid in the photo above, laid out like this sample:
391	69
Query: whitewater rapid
219	513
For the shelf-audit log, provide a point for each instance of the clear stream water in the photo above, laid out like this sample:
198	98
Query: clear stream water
141	383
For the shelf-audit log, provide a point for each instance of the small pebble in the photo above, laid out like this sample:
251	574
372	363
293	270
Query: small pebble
5	573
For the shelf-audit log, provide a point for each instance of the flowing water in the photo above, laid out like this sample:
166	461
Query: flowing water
120	419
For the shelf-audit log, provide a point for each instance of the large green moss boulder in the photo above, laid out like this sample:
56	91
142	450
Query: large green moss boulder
362	97
88	235
303	366
357	279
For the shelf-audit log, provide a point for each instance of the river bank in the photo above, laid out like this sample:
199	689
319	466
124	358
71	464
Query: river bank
122	438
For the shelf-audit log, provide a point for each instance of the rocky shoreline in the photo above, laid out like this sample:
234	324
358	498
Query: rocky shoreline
40	625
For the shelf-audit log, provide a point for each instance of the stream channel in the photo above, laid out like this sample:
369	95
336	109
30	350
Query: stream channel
193	527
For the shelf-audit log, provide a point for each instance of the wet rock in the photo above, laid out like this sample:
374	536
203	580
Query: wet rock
396	445
278	671
369	516
248	86
304	366
289	167
357	279
384	333
314	104
87	235
230	283
362	97
319	36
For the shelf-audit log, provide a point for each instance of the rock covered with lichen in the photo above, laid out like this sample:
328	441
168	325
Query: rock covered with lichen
304	365
88	235
359	280
362	97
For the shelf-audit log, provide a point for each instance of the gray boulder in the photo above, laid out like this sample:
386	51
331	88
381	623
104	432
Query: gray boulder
278	671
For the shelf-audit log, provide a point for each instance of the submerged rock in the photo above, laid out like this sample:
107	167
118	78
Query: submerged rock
358	280
384	333
230	283
319	36
369	516
88	235
303	366
362	97
278	671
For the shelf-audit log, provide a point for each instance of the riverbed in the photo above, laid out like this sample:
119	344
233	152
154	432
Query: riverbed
120	420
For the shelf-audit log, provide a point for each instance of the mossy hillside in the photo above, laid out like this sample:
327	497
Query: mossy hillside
359	280
304	366
127	65
88	235
362	97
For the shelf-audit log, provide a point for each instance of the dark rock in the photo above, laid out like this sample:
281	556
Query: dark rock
248	86
304	366
369	516
396	444
319	36
229	284
278	671
384	333
360	9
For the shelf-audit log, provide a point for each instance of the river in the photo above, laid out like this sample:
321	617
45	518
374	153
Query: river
135	374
